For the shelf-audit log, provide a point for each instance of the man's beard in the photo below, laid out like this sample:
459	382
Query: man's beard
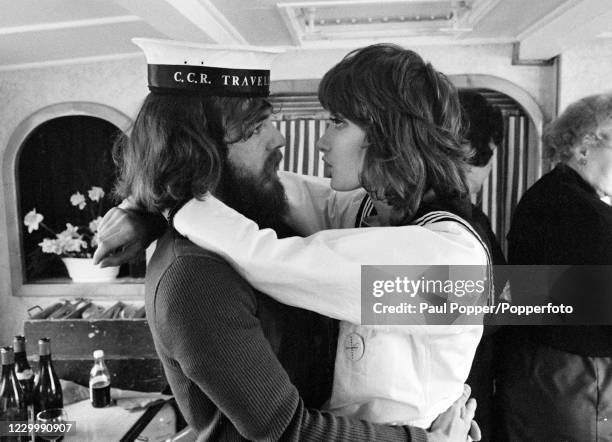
261	198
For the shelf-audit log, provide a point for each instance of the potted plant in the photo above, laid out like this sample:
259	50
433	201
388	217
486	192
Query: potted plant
76	244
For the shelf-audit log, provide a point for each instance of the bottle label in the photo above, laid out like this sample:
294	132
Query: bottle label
99	393
25	375
99	381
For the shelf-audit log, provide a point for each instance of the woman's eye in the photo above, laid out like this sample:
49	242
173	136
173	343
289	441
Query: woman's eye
258	129
336	122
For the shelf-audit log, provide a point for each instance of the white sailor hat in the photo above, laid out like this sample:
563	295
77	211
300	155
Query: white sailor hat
176	67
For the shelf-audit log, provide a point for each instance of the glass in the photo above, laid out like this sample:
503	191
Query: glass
48	421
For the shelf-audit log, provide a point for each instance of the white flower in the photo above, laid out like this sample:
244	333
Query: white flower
72	244
70	232
95	193
69	240
93	226
50	246
32	220
78	199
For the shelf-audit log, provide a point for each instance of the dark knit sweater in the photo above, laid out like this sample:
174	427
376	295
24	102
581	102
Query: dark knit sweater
561	221
217	341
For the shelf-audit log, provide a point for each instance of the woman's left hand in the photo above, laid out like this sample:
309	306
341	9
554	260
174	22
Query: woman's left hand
457	423
123	236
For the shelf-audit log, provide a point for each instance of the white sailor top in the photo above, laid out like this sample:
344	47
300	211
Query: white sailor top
386	374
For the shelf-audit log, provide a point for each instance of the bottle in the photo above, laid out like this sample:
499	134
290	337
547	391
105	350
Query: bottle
99	382
12	402
24	373
48	390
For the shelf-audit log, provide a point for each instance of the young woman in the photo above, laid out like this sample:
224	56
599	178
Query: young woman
395	131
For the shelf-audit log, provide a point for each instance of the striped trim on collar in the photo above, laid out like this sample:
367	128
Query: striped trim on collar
440	216
367	206
365	210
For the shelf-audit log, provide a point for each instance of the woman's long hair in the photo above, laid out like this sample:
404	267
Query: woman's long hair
412	119
178	146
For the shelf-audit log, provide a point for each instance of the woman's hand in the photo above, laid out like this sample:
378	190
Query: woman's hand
123	235
456	424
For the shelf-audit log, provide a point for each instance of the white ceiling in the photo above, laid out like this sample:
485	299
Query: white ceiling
44	32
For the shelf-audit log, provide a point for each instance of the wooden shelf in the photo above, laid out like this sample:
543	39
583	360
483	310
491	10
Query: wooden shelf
122	288
129	351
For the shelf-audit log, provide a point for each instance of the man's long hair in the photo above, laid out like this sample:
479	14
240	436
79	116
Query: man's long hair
412	120
177	147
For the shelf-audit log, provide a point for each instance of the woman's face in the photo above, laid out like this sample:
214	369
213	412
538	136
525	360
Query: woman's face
343	146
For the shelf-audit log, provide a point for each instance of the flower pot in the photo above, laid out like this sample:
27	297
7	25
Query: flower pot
83	270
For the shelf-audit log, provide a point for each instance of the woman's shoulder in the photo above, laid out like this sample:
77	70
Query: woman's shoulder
560	197
455	239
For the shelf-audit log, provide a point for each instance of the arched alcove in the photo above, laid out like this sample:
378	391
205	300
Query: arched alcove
62	157
63	114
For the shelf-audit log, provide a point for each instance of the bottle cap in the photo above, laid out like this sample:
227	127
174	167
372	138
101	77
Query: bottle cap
44	346
98	354
7	356
19	344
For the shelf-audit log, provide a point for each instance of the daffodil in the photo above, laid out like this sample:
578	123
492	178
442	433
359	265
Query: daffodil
93	226
95	193
78	199
79	241
51	246
32	220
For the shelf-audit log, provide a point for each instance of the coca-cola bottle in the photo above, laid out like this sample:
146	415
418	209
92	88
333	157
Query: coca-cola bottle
99	382
12	404
24	373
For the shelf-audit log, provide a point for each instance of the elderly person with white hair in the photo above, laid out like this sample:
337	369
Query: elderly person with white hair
556	381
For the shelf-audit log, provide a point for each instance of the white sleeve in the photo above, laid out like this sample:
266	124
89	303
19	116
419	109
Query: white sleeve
314	206
322	272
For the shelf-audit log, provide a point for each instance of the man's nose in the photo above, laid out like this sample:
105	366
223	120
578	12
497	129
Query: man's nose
278	141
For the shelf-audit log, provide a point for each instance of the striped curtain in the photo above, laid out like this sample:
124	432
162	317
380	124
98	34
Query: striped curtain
300	154
302	121
509	177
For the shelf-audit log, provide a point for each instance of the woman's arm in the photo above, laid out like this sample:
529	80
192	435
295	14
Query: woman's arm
126	231
322	272
314	206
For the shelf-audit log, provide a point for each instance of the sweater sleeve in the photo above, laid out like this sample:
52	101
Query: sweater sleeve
206	317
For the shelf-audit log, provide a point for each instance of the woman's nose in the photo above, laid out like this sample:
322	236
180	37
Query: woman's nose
321	144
